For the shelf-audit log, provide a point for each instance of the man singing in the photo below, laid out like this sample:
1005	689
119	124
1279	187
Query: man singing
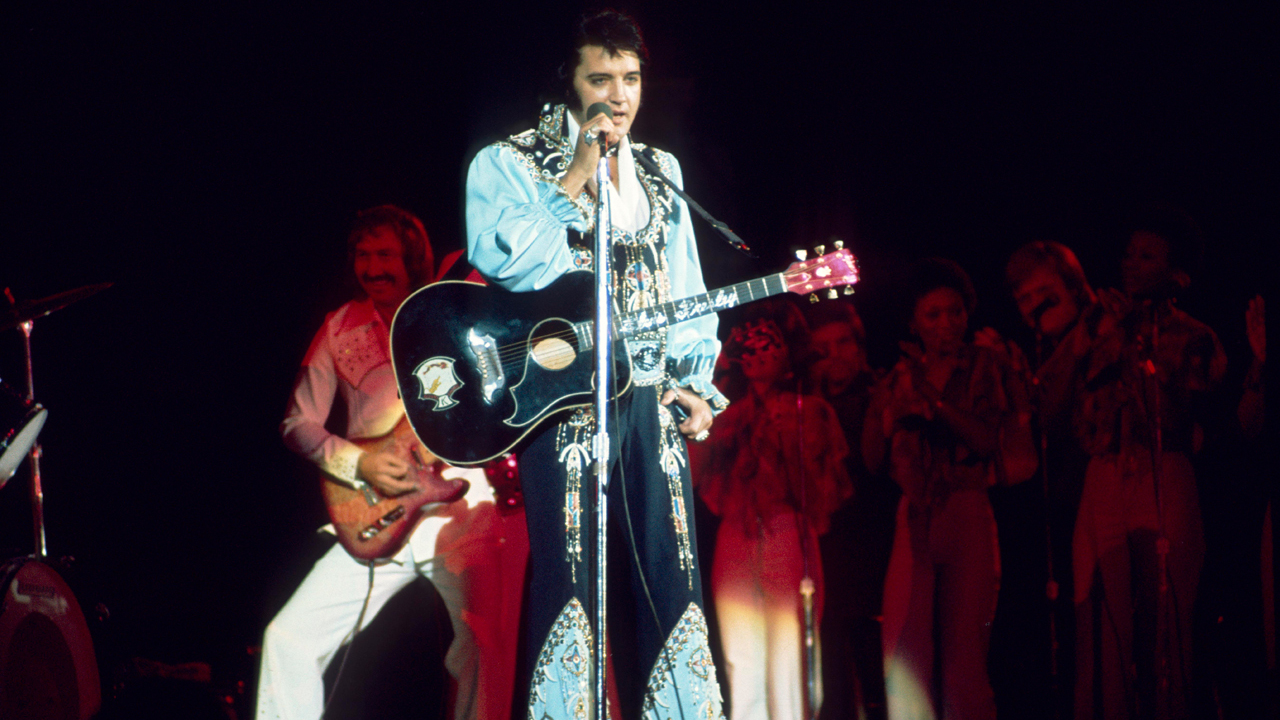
530	209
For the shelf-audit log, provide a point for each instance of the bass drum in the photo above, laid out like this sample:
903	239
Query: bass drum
47	664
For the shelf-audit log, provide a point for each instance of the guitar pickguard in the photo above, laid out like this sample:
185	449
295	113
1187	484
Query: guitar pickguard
552	365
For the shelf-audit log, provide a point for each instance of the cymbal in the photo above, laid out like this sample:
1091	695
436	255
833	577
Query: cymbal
21	311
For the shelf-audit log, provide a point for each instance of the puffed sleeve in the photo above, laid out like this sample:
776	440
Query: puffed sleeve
516	226
692	345
825	450
309	406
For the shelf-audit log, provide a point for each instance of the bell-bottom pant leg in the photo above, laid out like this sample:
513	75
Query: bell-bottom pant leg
650	500
319	617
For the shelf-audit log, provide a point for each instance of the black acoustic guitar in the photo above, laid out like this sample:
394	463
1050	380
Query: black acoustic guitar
479	367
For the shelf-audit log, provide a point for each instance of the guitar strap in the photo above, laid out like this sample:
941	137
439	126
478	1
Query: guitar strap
455	267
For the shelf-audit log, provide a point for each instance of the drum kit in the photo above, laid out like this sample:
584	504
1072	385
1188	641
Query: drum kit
48	668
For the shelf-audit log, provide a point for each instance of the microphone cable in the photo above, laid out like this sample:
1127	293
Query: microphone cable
635	555
346	653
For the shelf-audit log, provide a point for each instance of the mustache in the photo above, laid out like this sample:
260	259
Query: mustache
376	278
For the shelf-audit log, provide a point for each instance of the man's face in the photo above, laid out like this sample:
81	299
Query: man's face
940	319
1044	287
379	266
1145	265
610	79
842	358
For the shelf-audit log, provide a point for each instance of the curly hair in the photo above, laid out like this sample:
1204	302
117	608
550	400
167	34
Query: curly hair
790	325
829	313
934	273
1178	229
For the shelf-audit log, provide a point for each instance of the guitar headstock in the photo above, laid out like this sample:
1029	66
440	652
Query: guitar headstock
825	272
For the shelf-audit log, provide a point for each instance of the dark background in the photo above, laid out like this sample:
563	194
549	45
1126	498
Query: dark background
208	157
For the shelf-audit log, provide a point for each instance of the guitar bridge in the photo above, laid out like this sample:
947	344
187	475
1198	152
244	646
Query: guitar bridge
492	378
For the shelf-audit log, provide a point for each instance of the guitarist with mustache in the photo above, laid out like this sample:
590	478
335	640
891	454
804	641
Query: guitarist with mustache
462	548
530	203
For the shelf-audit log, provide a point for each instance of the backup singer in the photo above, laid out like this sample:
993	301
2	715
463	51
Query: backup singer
1144	377
855	550
473	554
530	207
948	421
1056	301
774	472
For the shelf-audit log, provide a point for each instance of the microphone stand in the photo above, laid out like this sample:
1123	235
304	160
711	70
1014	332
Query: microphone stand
1051	587
37	490
729	235
807	586
1164	658
600	445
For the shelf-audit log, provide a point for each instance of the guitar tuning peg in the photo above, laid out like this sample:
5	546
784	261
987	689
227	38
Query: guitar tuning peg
801	254
813	297
839	244
817	250
848	289
832	294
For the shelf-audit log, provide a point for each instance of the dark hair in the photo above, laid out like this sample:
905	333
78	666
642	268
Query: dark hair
414	243
1177	228
829	313
611	30
1056	257
783	314
935	273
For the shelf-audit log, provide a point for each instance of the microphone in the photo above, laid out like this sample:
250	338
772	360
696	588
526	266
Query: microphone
599	109
1048	304
1171	287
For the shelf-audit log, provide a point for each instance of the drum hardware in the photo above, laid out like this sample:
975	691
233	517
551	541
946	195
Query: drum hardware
503	474
23	311
48	667
20	423
47	663
22	315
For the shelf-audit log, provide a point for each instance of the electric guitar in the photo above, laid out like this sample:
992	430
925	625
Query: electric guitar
372	526
480	367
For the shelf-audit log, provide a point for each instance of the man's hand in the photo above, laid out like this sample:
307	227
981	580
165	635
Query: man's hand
1115	302
988	338
698	424
1008	353
387	473
586	155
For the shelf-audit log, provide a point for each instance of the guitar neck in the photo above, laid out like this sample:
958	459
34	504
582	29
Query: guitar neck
661	316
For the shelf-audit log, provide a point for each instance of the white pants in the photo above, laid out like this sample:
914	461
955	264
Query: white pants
943	582
473	554
755	580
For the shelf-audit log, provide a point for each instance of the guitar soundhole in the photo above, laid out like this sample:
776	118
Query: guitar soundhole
553	353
